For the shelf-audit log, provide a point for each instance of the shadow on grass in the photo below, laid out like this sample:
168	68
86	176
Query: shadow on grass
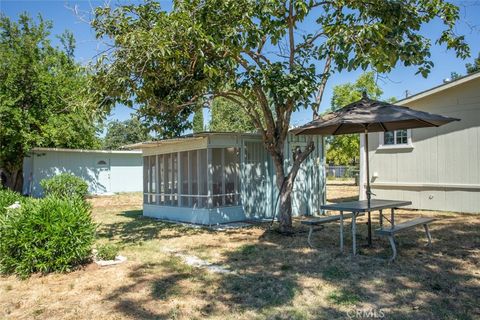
137	228
271	271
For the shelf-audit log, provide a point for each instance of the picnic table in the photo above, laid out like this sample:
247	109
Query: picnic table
361	207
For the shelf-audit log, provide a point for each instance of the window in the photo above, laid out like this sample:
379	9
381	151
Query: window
397	138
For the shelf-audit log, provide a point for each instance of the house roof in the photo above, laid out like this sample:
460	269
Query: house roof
187	137
439	88
87	151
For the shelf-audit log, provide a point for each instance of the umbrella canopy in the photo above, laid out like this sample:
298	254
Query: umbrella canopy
367	115
375	116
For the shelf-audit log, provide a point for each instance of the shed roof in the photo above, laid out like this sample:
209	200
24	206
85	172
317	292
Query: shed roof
87	151
187	137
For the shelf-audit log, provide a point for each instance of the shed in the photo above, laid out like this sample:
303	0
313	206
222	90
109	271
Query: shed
212	177
435	168
106	171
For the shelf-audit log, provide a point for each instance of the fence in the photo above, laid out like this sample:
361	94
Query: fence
341	171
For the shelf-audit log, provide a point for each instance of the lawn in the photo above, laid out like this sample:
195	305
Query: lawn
272	276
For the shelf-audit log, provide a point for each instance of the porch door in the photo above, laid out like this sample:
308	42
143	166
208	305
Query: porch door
255	181
102	166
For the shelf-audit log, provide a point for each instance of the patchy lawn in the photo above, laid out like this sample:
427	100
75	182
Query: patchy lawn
274	277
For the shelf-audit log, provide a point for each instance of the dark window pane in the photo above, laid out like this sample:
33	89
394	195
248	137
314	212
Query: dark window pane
389	137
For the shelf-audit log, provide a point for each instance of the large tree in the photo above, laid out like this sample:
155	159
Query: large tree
269	57
121	133
226	116
41	100
345	149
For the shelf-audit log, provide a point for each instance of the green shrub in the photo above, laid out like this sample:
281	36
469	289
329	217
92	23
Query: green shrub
65	185
46	235
7	198
107	252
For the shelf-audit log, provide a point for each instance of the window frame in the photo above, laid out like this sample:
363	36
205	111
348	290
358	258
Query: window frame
408	145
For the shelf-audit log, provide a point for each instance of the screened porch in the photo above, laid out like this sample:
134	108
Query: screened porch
204	178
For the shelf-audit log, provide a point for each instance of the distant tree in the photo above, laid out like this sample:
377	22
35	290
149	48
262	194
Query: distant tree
474	66
344	149
121	133
43	101
198	124
454	75
470	68
228	117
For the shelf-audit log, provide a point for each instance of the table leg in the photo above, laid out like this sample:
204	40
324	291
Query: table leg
341	231
392	217
354	233
369	225
381	219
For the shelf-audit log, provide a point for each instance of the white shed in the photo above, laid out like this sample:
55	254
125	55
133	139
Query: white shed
106	171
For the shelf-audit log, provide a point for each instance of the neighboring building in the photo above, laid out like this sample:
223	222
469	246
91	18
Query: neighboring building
210	178
105	171
435	168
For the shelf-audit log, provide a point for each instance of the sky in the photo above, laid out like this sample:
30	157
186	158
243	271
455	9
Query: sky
67	15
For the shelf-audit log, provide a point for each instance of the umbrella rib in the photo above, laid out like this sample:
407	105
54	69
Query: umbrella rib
383	126
338	128
427	122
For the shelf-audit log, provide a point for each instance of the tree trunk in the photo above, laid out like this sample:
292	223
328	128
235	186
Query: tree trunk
11	177
285	185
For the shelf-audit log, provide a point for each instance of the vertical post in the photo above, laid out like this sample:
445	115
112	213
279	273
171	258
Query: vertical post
189	177
157	181
200	170
341	231
354	233
381	219
209	179
222	171
369	193
362	181
392	217
179	179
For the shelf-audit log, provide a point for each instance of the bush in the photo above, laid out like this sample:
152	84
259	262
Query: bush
7	198
107	252
65	186
46	235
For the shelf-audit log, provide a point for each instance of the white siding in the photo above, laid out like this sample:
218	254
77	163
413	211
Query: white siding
104	172
442	171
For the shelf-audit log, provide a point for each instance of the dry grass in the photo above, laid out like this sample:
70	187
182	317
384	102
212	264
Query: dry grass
276	277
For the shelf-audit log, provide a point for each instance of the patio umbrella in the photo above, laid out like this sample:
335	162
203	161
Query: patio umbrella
367	115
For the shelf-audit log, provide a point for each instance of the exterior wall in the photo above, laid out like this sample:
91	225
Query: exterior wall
442	170
119	172
257	180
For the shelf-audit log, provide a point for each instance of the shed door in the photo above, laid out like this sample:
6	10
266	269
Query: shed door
102	166
255	181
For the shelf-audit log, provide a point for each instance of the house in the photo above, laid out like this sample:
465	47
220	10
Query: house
435	168
213	177
106	171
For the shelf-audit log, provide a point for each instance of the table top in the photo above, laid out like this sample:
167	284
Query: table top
362	205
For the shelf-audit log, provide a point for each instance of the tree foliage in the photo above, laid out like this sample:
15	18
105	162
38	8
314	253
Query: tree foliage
121	133
198	124
42	100
259	55
473	66
226	116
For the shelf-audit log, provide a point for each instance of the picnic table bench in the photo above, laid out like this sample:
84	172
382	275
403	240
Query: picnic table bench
396	228
326	219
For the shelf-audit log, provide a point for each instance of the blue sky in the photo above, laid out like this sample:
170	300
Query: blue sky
395	84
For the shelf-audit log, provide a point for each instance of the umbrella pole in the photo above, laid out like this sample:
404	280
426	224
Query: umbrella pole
369	194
